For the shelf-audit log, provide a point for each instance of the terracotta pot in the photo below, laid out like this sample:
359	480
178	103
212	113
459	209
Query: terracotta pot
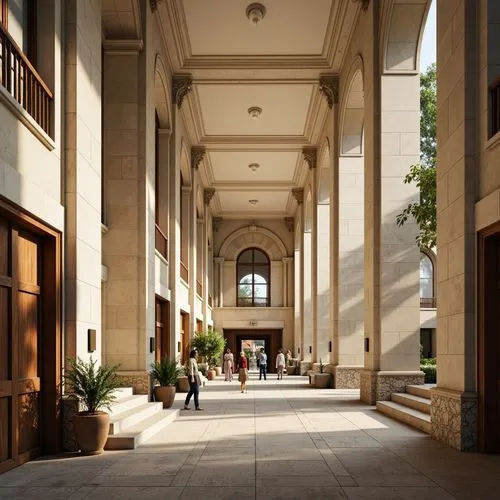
211	374
91	431
183	384
322	380
290	370
165	394
218	370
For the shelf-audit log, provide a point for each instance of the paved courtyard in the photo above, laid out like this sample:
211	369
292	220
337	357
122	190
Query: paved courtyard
280	440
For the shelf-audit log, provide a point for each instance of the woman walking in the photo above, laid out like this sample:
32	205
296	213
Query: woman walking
194	381
228	365
243	371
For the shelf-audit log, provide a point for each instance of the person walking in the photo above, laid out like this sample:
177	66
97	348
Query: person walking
243	371
228	365
194	381
280	364
262	364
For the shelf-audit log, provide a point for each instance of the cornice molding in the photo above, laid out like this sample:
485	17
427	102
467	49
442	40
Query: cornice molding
208	194
310	155
329	87
197	155
122	47
298	194
181	87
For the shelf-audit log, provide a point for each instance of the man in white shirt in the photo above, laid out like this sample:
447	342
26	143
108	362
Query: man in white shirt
262	364
280	364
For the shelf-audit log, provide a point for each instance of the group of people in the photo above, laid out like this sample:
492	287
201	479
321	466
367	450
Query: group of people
241	367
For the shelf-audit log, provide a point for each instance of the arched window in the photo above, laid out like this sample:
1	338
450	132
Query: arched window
253	278
426	281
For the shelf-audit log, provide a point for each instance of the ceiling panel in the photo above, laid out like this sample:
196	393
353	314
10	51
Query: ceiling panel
238	201
290	27
224	108
232	166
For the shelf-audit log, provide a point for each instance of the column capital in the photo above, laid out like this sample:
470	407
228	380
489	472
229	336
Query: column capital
154	4
289	222
364	3
287	259
310	154
186	188
197	155
208	194
329	87
200	221
216	222
219	260
181	86
298	194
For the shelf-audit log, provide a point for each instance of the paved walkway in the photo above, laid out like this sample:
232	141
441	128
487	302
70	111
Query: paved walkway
281	440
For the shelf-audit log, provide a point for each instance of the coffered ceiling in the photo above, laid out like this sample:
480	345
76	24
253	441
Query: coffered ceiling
274	65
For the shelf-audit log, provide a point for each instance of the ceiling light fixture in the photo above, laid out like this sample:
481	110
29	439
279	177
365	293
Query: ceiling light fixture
255	13
253	166
253	202
254	112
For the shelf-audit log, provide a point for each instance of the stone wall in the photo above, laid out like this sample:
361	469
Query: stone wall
347	377
139	381
378	386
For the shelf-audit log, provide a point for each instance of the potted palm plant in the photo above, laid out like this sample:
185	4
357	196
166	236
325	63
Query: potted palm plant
95	387
166	372
322	380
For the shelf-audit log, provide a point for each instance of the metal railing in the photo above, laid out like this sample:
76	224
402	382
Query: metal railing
22	81
161	242
428	303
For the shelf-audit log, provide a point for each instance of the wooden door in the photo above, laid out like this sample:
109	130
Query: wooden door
162	330
20	341
489	342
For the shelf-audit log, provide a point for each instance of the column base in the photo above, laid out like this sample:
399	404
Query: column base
140	381
378	386
454	418
347	377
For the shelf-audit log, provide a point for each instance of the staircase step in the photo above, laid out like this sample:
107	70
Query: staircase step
409	416
412	401
123	392
142	431
120	422
424	390
127	403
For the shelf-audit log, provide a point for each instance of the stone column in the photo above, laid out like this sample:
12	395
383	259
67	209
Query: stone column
392	309
454	404
287	280
219	280
310	157
207	261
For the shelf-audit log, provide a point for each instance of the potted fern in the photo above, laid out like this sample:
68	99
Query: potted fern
95	387
166	373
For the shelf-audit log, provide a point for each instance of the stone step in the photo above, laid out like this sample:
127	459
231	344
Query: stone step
120	422
415	418
123	392
127	403
424	390
141	431
412	401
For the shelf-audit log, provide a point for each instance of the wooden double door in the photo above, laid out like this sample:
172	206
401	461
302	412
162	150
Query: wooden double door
489	341
23	378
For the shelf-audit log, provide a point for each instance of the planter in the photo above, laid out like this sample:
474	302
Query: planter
218	370
290	370
183	384
322	380
165	394
91	431
211	374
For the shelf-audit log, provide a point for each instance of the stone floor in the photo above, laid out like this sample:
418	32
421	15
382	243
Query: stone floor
280	440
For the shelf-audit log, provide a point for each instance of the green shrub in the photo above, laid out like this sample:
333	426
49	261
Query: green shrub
430	373
209	344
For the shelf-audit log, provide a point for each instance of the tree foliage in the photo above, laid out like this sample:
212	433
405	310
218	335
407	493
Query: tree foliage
423	174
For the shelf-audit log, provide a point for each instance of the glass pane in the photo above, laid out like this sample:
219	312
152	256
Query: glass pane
260	291
425	267
245	257
244	291
257	278
245	279
426	291
260	257
262	271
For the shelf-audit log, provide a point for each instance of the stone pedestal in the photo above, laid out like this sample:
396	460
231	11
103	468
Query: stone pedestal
454	418
347	377
304	367
378	386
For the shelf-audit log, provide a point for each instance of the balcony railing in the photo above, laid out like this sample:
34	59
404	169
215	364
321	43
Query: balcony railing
184	272
161	242
428	303
495	107
199	288
23	82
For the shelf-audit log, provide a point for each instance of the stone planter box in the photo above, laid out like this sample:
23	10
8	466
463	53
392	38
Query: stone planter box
290	370
322	380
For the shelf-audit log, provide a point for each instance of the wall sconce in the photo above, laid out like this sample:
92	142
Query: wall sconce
298	350
330	346
91	340
178	346
310	349
367	344
152	345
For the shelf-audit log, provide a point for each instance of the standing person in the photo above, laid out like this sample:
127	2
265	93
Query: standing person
228	365
243	371
280	364
194	381
262	364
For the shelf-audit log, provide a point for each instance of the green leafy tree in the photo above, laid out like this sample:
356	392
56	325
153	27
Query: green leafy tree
423	174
